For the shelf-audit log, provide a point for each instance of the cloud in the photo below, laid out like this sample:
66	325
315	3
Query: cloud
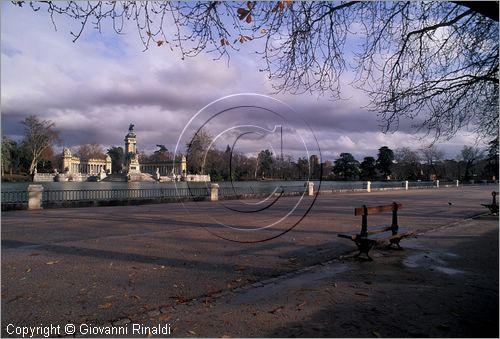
94	88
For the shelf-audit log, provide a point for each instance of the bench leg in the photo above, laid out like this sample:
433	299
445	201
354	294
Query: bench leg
396	243
364	247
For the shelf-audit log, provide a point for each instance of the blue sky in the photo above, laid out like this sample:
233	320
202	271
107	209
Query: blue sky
94	88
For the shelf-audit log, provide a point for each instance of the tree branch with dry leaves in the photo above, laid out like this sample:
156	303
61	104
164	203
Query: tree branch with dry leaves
435	63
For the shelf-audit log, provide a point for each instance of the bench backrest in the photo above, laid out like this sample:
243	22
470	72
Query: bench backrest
365	210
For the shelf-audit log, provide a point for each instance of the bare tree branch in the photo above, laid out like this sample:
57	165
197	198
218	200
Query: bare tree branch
433	62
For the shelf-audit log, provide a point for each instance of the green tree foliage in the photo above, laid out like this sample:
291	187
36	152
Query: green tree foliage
303	168
266	162
346	167
11	155
117	156
385	160
491	168
368	169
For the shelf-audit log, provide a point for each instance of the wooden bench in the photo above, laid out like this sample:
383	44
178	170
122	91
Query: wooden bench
386	235
493	207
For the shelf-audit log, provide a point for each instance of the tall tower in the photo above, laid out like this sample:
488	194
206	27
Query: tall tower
131	156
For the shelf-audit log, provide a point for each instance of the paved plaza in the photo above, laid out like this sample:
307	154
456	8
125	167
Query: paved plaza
169	264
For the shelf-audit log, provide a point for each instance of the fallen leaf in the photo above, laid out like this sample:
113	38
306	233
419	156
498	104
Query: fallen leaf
362	294
52	262
165	317
28	270
158	43
105	306
277	309
192	332
375	333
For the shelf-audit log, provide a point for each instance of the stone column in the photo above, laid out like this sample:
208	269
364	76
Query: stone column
214	192
457	183
406	185
368	186
310	188
437	183
35	197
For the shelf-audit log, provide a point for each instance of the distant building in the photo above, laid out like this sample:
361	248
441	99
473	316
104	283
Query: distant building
76	169
74	165
314	160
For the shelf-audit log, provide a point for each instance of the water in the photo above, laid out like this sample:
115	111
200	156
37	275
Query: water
257	186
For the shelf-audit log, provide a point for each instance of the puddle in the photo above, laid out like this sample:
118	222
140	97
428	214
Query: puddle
288	285
447	270
434	261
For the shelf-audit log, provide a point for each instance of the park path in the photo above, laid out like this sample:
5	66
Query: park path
109	264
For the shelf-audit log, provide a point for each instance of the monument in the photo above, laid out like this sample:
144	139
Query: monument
132	165
76	169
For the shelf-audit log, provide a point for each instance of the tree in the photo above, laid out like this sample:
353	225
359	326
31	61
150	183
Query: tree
161	154
197	148
303	168
117	158
38	136
368	169
385	160
470	155
265	161
11	154
432	154
437	61
90	151
346	167
408	164
492	159
45	164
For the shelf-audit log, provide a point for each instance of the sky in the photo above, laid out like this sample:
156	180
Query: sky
94	88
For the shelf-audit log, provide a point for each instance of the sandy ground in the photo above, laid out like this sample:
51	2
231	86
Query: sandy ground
120	267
